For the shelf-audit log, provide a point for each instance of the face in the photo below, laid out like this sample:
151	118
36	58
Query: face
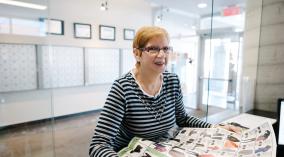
155	62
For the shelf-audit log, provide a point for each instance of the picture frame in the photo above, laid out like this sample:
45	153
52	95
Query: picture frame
107	32
54	26
128	34
82	30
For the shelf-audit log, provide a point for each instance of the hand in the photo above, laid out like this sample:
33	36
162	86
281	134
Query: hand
229	127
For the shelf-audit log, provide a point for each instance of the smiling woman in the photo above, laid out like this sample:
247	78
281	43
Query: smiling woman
145	102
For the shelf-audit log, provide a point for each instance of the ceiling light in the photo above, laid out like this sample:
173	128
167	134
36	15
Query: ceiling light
202	5
104	6
159	18
24	4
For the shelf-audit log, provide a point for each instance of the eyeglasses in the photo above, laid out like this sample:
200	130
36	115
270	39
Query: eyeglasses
156	50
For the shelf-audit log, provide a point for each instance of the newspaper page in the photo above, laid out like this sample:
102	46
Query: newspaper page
207	142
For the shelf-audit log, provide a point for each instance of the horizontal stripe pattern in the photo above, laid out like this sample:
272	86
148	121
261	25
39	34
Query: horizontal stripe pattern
128	112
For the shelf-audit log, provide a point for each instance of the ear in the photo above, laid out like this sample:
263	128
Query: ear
137	55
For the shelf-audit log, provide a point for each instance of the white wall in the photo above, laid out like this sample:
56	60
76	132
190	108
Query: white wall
18	107
121	14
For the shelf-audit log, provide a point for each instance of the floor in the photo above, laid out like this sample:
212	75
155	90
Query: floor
71	136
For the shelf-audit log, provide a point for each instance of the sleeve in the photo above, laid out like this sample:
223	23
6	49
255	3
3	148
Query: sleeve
108	123
182	118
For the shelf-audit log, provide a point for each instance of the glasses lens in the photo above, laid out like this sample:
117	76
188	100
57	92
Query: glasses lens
167	49
156	50
152	50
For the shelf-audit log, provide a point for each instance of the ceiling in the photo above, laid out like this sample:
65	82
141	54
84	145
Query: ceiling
180	16
190	6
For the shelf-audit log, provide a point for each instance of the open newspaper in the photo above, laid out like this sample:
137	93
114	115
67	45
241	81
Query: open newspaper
208	142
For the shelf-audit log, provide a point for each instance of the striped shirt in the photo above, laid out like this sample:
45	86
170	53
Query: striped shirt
129	112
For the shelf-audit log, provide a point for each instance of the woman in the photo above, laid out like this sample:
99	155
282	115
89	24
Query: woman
146	102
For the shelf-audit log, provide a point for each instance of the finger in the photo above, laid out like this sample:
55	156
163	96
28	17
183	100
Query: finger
235	129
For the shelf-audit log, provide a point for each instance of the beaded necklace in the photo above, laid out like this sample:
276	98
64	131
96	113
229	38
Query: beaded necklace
156	111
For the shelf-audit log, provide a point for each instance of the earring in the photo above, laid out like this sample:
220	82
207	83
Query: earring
138	59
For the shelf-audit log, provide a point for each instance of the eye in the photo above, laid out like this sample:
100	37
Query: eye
153	48
166	48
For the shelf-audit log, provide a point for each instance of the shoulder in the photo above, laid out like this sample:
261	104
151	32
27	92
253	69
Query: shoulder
124	80
171	77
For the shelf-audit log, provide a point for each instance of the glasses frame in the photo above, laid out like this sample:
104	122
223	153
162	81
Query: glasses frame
155	52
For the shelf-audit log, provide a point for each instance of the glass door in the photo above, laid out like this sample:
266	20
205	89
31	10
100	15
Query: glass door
218	79
184	63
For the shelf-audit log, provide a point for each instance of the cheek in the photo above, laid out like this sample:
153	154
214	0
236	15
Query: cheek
167	59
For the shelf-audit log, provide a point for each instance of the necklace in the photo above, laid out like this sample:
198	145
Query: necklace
156	111
152	107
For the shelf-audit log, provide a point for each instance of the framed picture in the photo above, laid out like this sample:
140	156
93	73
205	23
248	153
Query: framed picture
107	32
54	26
128	34
82	30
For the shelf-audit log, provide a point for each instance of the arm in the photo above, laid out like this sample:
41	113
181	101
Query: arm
108	123
182	118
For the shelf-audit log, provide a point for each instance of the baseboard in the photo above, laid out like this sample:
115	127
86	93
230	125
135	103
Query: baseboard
46	120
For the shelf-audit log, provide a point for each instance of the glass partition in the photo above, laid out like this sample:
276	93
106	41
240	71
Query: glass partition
207	49
220	62
26	111
184	24
53	84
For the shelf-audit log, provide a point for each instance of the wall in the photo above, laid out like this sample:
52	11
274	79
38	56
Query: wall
121	14
18	107
270	73
250	54
263	64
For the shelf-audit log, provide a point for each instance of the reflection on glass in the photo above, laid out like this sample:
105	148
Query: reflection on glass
221	69
26	123
183	62
4	25
28	27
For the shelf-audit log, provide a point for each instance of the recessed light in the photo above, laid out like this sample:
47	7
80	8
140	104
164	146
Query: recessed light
202	5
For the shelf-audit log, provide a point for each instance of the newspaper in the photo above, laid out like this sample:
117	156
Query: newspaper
207	142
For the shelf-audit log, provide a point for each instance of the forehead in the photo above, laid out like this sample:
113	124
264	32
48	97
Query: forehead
158	40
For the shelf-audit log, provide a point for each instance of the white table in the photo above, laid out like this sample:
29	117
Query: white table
249	120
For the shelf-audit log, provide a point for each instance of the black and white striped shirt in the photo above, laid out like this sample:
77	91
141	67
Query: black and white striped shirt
129	112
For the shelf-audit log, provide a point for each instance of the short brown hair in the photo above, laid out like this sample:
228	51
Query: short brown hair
146	33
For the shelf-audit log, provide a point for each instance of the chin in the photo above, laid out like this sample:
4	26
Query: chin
161	70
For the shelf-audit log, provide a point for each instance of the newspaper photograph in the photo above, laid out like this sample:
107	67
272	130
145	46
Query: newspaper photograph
208	142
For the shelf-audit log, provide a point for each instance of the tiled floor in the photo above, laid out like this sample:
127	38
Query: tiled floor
71	136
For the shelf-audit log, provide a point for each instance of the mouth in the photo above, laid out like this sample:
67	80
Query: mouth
159	63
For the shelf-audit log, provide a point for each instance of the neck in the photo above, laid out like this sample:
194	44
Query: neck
150	82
